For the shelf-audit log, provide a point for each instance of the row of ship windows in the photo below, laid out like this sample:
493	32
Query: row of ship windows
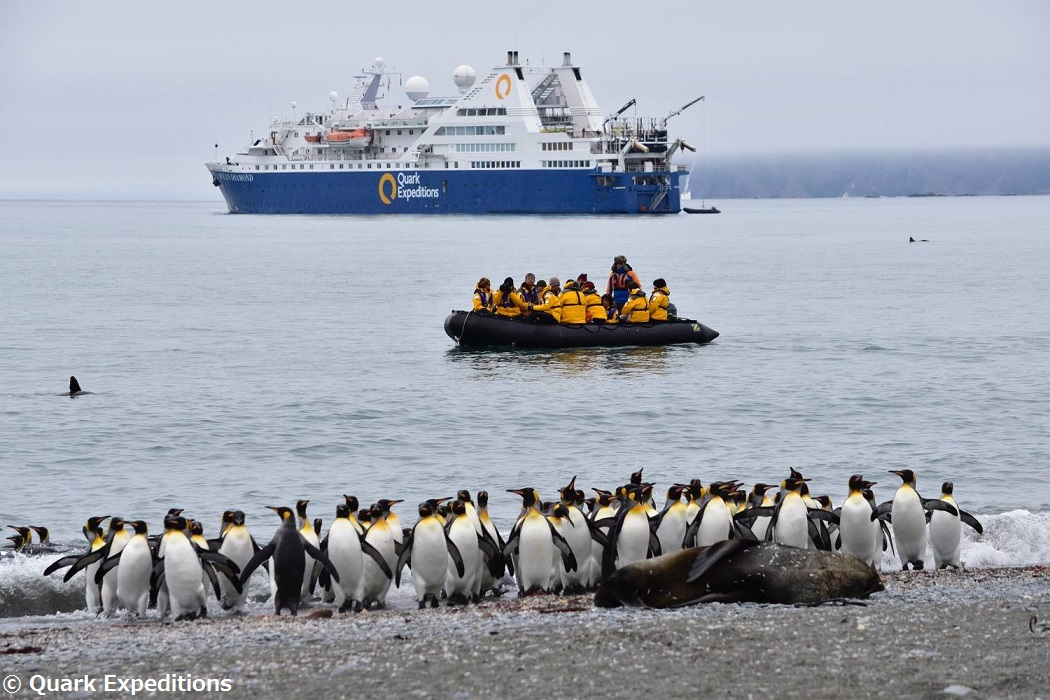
473	164
482	112
495	164
340	166
565	163
476	147
557	146
470	130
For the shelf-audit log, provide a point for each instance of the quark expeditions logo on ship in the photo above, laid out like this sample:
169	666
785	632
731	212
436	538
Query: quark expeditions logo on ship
405	186
503	86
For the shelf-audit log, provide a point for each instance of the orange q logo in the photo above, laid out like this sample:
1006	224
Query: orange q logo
387	182
502	86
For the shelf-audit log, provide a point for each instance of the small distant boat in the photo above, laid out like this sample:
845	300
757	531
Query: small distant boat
702	210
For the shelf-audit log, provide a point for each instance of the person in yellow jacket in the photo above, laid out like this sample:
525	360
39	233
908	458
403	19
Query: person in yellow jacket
636	310
592	303
659	301
549	297
573	308
507	300
483	298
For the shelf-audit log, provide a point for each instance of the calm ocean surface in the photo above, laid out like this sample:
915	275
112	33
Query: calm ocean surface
246	361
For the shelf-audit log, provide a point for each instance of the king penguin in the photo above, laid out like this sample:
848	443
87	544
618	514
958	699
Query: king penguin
856	534
287	549
460	574
347	551
378	578
183	572
96	538
533	538
135	570
429	551
238	546
908	517
576	529
946	530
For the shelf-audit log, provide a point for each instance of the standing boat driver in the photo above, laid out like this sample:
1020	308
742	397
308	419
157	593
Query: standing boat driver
508	302
621	274
659	301
636	310
573	308
550	303
483	298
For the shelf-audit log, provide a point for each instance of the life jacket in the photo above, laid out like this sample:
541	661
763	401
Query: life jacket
572	307
531	296
619	281
486	299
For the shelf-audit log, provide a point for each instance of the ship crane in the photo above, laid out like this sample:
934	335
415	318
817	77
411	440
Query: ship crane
687	105
624	109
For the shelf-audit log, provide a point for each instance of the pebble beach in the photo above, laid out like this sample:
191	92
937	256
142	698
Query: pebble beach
977	633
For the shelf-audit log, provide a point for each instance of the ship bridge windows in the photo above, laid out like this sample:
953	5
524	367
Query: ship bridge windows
486	130
565	163
500	164
482	112
556	146
483	147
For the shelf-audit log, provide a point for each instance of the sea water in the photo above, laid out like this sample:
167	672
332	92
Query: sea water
249	361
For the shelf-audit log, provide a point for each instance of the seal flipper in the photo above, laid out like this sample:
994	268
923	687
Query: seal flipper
971	521
708	557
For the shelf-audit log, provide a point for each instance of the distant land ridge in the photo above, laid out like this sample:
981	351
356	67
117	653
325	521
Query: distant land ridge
885	174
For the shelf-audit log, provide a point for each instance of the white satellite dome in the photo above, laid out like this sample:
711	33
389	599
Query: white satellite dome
333	95
379	63
417	87
464	76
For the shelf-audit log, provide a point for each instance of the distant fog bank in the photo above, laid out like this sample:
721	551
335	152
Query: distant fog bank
1002	172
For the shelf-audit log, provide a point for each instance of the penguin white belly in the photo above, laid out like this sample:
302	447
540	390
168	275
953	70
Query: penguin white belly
465	537
909	527
672	531
715	524
578	535
632	544
237	547
792	526
182	571
945	535
310	536
535	554
880	544
92	592
133	574
376	583
855	532
109	581
344	551
430	560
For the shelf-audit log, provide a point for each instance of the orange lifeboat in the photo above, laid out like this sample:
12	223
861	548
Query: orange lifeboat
352	138
313	138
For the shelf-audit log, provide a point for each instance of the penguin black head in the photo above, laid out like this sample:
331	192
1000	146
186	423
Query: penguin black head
636	478
946	488
442	510
529	497
175	523
74	385
116	524
459	508
93	523
427	509
227	518
796	474
793	484
139	526
560	511
856	483
385	504
18	542
483	499
342	511
174	512
23	532
463	495
317	526
352	502
196	527
824	501
42	533
238	517
568	494
284	511
906	475
300	507
364	515
675	493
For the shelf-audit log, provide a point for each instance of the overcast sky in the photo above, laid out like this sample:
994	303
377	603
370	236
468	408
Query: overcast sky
126	99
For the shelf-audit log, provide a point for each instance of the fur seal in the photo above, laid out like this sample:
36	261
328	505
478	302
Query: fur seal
738	571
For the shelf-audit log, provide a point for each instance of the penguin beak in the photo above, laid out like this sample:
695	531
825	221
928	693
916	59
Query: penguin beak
520	492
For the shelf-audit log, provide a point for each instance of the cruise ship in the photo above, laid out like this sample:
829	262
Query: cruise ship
522	140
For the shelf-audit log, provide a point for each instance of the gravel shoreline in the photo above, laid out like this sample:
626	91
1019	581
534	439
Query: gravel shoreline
929	635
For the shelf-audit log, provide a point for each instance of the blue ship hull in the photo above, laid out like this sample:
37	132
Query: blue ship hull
447	192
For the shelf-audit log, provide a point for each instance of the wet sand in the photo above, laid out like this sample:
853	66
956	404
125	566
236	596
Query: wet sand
929	635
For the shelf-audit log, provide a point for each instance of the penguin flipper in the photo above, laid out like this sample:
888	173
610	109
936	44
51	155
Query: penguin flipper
597	535
61	563
743	532
882	512
258	558
487	547
887	538
513	539
315	574
228	568
404	556
107	566
370	550
937	504
210	573
969	520
327	563
457	558
654	544
708	557
567	557
86	561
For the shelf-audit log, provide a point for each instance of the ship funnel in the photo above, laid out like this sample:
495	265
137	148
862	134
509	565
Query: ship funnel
510	58
566	59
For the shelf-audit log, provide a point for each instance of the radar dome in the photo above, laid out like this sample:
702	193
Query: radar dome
333	95
379	63
417	87
464	77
